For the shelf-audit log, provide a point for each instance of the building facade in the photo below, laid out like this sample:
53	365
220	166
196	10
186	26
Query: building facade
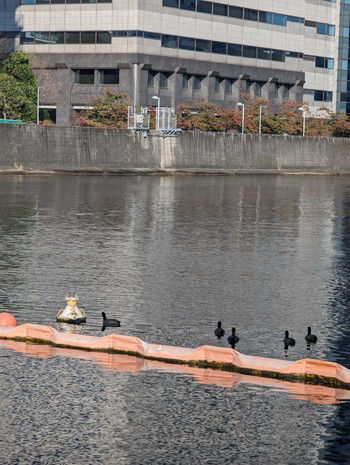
184	49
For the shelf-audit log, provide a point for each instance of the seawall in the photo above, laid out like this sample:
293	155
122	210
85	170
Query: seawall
53	149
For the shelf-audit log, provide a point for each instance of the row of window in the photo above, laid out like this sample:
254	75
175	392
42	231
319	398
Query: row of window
60	2
111	77
170	41
104	76
220	9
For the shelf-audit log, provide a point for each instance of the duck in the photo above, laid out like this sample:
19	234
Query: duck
310	337
288	341
233	339
219	332
109	322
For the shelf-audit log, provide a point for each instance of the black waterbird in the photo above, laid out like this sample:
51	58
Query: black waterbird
219	332
109	322
233	339
310	337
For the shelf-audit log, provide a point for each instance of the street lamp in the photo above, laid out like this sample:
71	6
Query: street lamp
38	105
239	104
260	115
302	109
158	110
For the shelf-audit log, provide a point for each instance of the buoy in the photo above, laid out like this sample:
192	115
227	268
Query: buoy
6	319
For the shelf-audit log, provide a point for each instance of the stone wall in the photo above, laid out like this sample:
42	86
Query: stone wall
76	149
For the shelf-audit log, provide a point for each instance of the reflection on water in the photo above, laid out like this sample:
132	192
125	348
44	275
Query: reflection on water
170	257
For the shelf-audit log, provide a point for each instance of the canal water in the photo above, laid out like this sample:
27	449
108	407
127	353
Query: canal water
169	257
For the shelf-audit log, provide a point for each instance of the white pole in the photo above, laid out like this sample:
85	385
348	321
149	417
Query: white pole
260	116
38	106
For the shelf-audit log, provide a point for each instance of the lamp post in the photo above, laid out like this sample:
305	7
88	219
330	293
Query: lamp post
158	110
302	109
38	105
260	116
240	104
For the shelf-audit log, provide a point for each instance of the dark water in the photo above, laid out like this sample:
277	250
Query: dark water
170	257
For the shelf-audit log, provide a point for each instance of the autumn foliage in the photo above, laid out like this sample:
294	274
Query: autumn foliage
111	109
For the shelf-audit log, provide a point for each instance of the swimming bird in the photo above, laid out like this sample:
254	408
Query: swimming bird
219	332
310	337
233	339
288	341
109	322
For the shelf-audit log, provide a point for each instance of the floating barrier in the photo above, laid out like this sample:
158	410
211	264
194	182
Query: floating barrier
309	371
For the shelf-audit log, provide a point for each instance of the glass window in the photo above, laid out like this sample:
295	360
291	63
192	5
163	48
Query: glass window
265	17
88	37
169	41
217	85
319	62
219	47
151	78
104	37
204	7
264	53
286	90
321	28
171	3
84	76
220	9
346	31
330	30
251	15
295	19
42	37
164	80
234	50
185	80
278	55
188	5
57	38
120	33
151	35
249	52
186	43
235	12
202	45
258	89
318	95
109	76
329	63
27	37
197	82
328	96
279	20
228	86
72	37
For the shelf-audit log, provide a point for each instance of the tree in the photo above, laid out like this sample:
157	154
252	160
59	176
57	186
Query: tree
107	110
18	87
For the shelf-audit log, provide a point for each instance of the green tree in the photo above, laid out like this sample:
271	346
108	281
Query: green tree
18	87
107	110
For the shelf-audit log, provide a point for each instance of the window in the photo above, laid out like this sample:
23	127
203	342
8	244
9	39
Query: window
228	86
186	43
204	7
325	96
104	37
84	76
322	62
251	15
169	41
217	84
185	80
88	37
286	91
164	80
249	52
171	3
234	50
220	9
109	76
277	55
188	5
72	37
151	78
258	89
236	12
197	82
57	38
219	47
248	85
264	53
202	45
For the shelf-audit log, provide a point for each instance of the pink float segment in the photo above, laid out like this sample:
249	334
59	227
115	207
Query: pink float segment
308	370
7	319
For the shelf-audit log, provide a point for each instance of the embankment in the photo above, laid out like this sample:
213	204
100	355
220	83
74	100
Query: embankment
33	149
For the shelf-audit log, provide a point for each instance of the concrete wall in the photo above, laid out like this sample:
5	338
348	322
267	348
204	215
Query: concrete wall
77	149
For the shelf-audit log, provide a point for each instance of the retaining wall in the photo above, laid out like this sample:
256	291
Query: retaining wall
31	148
